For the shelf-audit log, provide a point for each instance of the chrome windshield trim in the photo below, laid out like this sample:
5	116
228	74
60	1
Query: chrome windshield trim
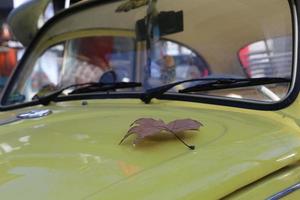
285	192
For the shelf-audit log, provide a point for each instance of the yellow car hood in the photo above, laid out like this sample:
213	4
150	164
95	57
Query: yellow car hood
74	153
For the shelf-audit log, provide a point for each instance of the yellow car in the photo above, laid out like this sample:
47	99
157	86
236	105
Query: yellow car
154	99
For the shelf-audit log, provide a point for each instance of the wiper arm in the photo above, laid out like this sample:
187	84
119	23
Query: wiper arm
210	84
84	88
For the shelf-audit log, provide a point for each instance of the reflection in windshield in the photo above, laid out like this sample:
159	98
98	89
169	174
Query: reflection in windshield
170	41
175	62
272	57
88	59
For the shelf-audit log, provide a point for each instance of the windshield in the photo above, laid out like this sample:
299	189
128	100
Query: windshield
165	41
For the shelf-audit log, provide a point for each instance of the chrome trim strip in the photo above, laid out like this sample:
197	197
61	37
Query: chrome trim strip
285	192
33	114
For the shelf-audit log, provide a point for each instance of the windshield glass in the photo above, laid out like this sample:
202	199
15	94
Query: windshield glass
166	41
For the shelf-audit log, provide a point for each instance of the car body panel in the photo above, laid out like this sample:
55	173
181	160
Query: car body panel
280	181
75	151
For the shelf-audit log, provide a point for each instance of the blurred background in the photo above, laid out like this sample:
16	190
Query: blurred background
11	50
269	57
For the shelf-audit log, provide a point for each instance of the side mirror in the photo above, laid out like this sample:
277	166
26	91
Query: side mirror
23	21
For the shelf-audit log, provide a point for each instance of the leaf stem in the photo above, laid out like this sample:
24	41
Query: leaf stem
191	147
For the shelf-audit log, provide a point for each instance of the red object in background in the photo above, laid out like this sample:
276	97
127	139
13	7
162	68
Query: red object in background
97	50
8	56
8	61
244	58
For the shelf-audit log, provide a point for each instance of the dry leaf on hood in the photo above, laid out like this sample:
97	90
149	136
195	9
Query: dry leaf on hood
145	127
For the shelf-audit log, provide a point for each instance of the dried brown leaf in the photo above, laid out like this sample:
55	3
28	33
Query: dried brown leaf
145	127
182	125
148	122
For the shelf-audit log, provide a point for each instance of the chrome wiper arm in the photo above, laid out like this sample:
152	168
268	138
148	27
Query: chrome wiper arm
84	88
210	84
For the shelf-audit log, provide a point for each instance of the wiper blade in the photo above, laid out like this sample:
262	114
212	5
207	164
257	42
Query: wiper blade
233	83
85	88
211	84
102	87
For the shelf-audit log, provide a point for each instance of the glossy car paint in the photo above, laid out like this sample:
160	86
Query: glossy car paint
74	153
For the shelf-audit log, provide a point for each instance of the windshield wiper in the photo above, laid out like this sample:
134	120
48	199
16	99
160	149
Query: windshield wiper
207	84
85	88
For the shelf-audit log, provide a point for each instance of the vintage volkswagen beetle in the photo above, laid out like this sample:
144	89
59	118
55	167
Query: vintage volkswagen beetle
96	67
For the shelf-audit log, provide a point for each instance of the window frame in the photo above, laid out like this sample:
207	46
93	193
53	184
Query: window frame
223	101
